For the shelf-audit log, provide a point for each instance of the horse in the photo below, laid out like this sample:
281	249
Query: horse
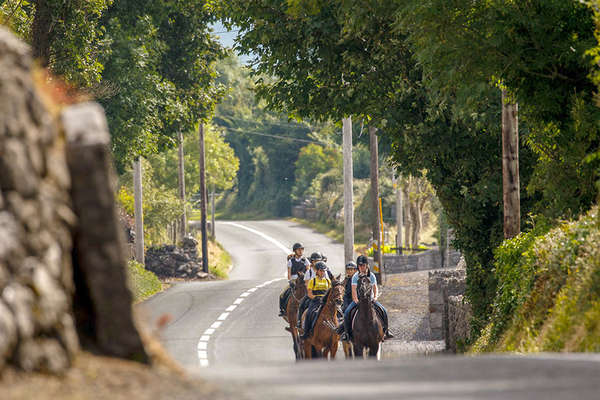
323	340
367	326
291	311
347	345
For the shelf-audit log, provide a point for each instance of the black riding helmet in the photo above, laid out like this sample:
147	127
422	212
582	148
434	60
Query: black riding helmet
351	265
321	265
316	256
297	246
362	260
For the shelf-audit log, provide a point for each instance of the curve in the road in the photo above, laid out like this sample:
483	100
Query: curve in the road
204	339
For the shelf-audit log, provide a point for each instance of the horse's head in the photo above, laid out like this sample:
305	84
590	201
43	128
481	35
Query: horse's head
337	292
299	285
364	289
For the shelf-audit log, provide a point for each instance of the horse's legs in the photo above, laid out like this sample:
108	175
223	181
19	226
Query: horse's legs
308	350
358	351
326	352
348	351
373	349
333	348
318	353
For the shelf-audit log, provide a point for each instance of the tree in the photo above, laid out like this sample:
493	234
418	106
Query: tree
312	161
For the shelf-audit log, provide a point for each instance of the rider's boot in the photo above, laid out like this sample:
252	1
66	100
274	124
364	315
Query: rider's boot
388	334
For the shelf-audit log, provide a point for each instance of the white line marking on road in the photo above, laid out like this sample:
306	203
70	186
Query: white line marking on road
245	294
202	345
252	290
223	316
202	354
231	308
262	235
238	300
204	363
209	331
205	338
216	324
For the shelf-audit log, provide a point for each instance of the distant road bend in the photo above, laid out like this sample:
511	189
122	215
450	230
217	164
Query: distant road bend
231	330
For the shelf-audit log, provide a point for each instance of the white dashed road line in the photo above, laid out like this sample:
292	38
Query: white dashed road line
203	342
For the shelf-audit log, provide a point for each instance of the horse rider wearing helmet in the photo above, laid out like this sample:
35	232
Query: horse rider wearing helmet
296	262
311	272
317	288
363	269
351	269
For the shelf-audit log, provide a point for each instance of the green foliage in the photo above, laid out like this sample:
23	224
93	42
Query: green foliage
312	161
142	283
220	160
549	290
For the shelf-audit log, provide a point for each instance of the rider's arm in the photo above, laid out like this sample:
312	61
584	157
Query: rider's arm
310	294
375	292
289	273
354	294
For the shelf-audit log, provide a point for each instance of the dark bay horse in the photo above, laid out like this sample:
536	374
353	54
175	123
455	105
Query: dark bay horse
324	340
367	327
291	311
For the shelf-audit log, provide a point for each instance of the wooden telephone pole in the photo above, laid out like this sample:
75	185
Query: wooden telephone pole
510	168
203	198
181	174
138	210
376	216
348	190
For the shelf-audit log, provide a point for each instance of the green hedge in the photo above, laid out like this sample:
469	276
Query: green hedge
548	296
142	283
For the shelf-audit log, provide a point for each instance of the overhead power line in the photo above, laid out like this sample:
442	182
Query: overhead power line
278	137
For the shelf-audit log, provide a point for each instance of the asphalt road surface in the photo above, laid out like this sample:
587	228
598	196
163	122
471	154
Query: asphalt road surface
229	332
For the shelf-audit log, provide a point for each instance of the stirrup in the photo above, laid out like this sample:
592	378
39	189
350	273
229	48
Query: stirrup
388	335
345	337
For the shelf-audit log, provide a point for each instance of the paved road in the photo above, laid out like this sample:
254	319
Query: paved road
231	329
251	332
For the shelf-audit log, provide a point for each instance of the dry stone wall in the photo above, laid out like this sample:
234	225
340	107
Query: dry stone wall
37	330
62	276
449	313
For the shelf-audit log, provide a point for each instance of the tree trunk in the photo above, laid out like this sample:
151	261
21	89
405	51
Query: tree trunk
416	225
41	32
407	214
181	174
213	228
510	168
203	199
399	212
375	192
348	190
138	210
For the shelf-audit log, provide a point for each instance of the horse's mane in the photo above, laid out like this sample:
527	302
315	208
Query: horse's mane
327	295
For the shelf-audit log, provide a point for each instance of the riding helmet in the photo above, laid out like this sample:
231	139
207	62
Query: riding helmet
297	246
316	256
362	260
351	265
321	265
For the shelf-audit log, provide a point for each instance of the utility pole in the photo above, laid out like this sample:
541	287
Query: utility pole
376	217
510	168
138	210
203	199
212	213
181	171
348	190
399	211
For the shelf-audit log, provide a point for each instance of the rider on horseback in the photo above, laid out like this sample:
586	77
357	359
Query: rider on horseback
351	269
363	269
311	272
317	288
296	263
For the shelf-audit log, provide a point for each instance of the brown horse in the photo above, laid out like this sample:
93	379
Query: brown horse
291	311
347	345
323	339
367	327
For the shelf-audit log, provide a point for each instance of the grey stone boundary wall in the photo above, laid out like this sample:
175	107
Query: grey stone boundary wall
449	313
430	259
62	260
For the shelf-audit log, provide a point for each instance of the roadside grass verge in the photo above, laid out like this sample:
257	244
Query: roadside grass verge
142	283
549	291
219	260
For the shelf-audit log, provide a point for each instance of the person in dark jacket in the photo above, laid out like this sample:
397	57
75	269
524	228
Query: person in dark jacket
351	269
296	262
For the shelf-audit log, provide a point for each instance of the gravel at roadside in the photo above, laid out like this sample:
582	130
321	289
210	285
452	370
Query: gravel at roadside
406	298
